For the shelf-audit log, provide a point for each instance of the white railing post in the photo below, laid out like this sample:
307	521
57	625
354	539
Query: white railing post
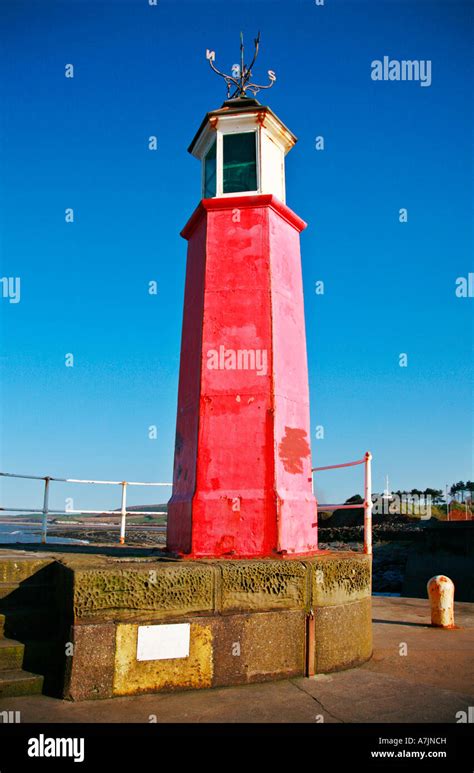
124	512
44	524
368	505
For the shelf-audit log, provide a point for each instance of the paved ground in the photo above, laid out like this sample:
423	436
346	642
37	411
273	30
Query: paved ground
432	682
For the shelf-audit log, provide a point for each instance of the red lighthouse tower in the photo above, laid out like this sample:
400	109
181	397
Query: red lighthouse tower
242	484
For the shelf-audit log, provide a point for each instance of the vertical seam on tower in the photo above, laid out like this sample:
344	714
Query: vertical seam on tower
267	246
198	429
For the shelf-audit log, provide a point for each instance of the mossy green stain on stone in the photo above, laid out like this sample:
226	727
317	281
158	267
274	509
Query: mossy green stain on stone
11	654
260	585
341	579
16	683
112	592
15	570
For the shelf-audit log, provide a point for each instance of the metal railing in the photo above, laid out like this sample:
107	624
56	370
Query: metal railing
368	505
46	510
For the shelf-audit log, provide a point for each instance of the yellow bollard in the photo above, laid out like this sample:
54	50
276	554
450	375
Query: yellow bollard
441	596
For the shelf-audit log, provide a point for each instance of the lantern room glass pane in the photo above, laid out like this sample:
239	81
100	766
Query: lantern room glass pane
240	162
210	172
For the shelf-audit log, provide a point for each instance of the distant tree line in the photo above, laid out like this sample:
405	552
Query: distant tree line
437	495
460	491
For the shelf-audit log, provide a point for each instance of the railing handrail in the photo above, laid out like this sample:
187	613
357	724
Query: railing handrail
46	510
52	511
340	507
77	480
334	466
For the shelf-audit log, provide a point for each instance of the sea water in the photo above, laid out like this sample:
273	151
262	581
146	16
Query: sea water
11	533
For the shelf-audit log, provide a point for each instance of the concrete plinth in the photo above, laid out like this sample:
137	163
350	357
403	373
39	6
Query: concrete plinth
248	620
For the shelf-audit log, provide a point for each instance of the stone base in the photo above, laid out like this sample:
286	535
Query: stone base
250	620
79	616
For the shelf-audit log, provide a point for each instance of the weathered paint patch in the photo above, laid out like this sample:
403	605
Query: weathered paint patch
132	676
293	448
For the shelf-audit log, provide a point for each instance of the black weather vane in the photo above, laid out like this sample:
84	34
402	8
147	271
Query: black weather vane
241	73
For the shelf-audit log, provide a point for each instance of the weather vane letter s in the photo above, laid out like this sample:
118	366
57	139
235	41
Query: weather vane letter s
241	73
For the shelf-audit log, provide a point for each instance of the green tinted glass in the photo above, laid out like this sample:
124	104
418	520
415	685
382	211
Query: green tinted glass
240	162
210	172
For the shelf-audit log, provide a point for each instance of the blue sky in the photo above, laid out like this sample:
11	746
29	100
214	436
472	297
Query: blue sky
140	70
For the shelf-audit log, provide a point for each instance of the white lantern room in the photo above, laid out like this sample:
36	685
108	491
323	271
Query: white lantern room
242	148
